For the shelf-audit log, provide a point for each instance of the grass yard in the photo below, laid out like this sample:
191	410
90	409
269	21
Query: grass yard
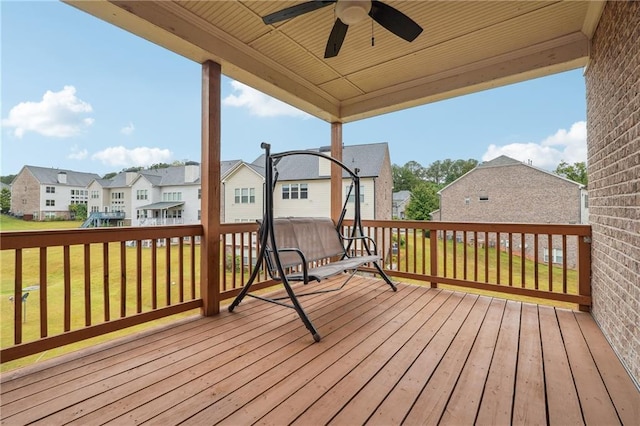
10	223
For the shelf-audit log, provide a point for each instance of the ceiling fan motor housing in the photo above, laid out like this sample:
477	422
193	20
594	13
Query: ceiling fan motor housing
353	11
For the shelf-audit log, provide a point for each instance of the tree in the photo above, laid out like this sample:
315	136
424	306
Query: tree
110	175
576	172
7	179
424	201
5	200
403	178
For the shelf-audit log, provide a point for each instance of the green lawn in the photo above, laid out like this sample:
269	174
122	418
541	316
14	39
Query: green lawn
9	223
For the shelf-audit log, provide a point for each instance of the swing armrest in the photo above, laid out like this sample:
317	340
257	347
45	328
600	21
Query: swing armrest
303	260
365	238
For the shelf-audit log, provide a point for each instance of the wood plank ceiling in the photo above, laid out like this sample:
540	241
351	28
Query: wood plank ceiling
466	46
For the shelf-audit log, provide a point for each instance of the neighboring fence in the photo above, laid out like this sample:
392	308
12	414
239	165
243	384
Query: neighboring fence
88	282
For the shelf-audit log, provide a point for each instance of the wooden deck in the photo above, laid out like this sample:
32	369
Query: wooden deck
418	356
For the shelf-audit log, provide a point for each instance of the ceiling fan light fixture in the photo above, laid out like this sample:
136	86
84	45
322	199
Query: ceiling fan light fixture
353	11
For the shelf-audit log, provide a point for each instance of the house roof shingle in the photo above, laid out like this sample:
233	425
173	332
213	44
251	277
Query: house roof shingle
369	158
47	175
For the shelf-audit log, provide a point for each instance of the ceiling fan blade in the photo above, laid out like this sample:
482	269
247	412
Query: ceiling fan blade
297	10
394	20
338	33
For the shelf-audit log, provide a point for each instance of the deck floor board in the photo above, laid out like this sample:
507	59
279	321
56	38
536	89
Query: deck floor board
416	356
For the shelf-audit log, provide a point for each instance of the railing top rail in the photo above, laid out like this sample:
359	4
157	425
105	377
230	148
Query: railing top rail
505	227
56	237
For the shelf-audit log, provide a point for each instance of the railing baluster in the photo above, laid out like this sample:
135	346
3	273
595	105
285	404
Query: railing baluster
510	242
564	263
464	255
154	274
486	257
415	250
87	285
536	257
444	252
523	258
44	318
181	269
139	276
454	243
67	288
193	266
167	282
105	280
498	256
123	279
475	255
424	253
550	260
17	298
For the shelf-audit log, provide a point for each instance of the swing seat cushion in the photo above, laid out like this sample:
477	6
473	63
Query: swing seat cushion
314	242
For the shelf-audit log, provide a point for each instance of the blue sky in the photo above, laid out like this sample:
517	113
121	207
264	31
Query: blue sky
81	94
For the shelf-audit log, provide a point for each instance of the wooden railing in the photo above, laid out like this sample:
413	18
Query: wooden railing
550	262
88	282
81	283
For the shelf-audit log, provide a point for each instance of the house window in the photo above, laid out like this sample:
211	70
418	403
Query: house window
586	201
51	190
484	198
556	255
352	196
94	194
467	201
199	215
142	194
245	195
117	195
172	196
199	193
295	191
50	203
141	214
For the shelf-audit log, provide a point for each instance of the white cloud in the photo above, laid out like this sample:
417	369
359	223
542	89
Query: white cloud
59	114
141	156
128	129
260	104
77	154
570	146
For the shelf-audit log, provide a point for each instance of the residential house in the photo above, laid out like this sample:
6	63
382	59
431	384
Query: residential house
165	196
508	190
400	201
39	193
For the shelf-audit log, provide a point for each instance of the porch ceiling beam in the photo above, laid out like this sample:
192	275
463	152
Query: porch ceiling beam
563	54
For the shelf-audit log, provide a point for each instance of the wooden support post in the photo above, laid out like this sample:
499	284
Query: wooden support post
336	171
210	180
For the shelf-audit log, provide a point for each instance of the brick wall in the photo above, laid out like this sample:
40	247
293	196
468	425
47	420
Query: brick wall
613	117
25	194
384	190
